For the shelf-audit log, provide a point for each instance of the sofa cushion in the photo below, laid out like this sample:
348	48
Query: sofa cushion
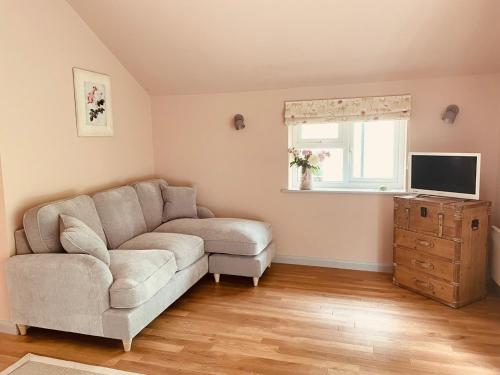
41	223
186	249
151	200
121	214
180	202
77	238
138	275
224	235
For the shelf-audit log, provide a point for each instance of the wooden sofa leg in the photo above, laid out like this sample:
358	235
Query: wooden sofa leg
255	281
217	277
127	345
23	329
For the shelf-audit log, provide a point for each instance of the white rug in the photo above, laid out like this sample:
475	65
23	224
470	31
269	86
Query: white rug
32	364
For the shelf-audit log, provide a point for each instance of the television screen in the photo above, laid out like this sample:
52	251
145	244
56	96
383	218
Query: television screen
447	173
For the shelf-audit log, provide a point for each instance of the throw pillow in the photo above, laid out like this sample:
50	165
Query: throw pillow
179	202
77	238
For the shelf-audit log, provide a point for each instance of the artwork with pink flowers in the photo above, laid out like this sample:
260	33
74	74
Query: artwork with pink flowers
93	103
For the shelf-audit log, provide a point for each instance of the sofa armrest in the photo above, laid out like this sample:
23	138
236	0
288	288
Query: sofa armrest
67	292
204	213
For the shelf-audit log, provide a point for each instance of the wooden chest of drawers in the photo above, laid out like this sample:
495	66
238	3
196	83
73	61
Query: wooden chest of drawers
440	247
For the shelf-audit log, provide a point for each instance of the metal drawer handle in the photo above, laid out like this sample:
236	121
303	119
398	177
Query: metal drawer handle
424	265
425	243
440	225
423	284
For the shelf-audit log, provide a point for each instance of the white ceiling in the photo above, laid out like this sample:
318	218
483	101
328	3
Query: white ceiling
209	46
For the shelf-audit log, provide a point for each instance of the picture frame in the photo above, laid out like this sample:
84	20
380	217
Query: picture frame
93	104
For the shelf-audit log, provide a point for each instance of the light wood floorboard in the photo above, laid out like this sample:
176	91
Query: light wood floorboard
299	320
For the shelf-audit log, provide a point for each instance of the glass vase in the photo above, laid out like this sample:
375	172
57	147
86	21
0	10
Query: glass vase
305	178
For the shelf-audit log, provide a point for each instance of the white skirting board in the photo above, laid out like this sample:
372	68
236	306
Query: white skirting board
331	263
6	326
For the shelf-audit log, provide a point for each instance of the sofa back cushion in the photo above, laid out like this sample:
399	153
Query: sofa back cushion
41	223
121	214
151	200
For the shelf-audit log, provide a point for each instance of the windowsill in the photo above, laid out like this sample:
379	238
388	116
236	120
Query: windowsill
346	191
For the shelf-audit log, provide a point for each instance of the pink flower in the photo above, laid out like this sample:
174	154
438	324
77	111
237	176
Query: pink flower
323	154
90	95
306	152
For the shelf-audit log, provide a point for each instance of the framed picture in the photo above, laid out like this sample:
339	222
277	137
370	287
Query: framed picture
94	116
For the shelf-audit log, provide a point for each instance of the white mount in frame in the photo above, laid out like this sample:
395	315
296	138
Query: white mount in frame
94	115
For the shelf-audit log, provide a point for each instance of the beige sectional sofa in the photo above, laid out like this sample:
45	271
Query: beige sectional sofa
152	263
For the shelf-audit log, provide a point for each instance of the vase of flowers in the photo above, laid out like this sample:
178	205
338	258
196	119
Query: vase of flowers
305	178
308	163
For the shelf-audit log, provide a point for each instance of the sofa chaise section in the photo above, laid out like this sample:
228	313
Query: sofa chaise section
237	246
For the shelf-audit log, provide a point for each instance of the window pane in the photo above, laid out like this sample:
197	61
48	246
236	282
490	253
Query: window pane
373	150
331	168
320	131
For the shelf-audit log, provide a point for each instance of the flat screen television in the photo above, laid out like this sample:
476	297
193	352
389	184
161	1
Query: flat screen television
446	174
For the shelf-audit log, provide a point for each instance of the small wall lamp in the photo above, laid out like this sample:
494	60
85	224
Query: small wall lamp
239	122
450	114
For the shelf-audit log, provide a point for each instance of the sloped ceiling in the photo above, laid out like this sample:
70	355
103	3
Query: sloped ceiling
210	46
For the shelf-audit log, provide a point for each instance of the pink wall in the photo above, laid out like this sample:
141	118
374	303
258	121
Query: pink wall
3	238
42	157
240	173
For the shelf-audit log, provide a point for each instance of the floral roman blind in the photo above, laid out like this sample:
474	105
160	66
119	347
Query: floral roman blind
370	108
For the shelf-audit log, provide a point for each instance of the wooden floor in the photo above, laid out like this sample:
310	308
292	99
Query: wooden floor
299	320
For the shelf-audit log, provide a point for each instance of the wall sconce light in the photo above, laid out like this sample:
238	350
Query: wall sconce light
239	122
450	114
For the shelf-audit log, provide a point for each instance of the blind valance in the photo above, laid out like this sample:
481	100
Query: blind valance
370	108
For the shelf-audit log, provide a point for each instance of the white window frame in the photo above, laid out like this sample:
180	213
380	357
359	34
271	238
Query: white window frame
345	142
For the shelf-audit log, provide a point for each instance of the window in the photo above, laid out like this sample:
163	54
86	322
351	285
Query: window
363	155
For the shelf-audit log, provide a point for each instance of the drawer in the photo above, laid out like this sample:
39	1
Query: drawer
425	284
428	244
434	220
422	262
429	218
